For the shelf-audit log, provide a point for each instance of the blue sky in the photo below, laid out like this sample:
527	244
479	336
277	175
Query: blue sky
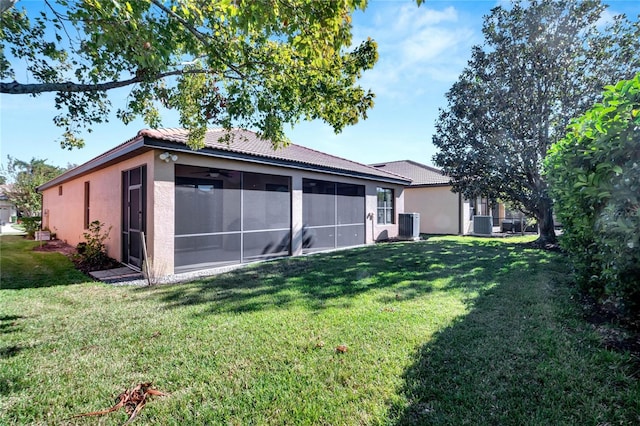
421	52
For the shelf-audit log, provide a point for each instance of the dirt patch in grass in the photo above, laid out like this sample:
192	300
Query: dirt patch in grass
60	246
618	332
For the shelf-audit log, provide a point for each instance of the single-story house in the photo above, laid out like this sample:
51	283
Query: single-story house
227	203
441	210
8	211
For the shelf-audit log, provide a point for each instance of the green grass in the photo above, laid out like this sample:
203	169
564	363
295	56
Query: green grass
21	267
445	331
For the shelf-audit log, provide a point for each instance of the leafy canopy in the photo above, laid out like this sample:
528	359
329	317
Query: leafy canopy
24	178
257	64
542	63
594	173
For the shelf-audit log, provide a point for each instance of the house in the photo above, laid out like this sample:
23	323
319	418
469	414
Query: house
441	210
429	193
8	211
225	204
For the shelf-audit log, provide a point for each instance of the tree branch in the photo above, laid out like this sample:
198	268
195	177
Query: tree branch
15	88
202	38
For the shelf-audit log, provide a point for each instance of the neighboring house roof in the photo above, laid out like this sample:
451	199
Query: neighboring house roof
3	191
244	145
420	174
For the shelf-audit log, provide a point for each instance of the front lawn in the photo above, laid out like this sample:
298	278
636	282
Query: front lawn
445	331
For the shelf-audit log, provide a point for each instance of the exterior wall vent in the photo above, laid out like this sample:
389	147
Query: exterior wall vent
409	226
482	225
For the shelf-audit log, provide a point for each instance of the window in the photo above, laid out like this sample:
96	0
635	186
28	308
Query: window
60	190
385	206
481	206
86	205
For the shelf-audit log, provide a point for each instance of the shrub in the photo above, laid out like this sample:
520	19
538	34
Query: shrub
31	225
594	173
93	251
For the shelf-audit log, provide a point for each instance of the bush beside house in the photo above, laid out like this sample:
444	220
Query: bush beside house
595	177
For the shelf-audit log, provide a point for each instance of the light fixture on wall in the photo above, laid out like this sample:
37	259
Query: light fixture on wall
167	156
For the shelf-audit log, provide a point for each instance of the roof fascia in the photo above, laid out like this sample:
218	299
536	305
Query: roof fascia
98	162
256	159
429	185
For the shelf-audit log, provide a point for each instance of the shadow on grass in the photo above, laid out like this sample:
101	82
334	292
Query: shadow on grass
10	384
24	268
403	270
522	356
10	324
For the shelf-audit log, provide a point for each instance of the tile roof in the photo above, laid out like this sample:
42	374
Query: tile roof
248	143
420	174
244	146
3	191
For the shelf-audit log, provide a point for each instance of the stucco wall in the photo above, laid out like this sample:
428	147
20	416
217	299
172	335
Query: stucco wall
64	214
439	209
161	213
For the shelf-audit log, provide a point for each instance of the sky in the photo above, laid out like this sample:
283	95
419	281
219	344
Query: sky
422	50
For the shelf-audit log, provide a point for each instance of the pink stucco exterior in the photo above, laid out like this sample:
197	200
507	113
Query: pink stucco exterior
441	211
64	214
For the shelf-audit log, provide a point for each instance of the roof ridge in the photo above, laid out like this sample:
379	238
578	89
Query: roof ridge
415	163
346	159
425	166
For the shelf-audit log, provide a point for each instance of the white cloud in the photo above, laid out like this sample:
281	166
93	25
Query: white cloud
416	45
411	18
428	45
606	18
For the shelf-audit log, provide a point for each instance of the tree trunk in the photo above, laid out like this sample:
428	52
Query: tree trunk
545	223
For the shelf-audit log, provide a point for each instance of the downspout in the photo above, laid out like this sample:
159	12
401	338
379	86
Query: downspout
373	231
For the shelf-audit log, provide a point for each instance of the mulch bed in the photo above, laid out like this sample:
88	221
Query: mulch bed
57	246
60	246
618	332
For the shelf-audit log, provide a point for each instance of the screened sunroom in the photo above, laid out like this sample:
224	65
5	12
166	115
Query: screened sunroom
177	210
229	216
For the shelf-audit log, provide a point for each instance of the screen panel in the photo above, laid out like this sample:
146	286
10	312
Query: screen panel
350	204
266	202
318	202
351	235
226	216
207	251
265	244
316	239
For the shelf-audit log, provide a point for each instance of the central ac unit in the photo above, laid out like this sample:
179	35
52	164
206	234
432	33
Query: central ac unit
482	225
409	226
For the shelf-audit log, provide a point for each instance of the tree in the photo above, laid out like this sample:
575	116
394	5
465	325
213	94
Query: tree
26	177
594	174
542	63
249	63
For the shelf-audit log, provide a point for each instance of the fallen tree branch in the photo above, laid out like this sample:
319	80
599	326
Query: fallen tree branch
133	401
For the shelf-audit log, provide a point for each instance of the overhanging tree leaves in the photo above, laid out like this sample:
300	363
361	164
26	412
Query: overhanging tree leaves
542	63
256	64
